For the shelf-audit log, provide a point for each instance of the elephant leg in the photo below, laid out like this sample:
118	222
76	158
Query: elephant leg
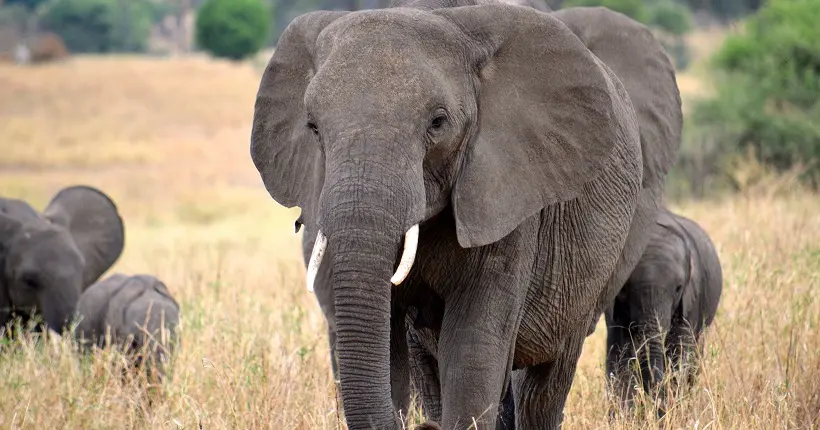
424	370
399	364
541	391
620	352
475	358
506	412
683	351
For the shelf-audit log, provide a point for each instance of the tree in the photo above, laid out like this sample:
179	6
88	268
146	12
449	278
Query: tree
768	98
671	17
99	26
31	5
232	29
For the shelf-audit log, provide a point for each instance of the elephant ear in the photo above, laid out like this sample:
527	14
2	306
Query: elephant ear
631	50
282	150
550	114
95	224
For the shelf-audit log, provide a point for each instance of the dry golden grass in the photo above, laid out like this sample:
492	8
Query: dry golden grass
168	140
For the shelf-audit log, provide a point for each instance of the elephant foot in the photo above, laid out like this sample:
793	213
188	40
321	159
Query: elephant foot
429	425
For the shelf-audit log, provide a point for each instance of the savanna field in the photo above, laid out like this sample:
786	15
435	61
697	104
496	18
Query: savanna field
168	140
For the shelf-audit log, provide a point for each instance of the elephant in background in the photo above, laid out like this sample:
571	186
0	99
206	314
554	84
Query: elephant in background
48	259
392	129
137	312
674	293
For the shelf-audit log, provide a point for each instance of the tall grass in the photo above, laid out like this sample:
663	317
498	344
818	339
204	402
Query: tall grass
168	140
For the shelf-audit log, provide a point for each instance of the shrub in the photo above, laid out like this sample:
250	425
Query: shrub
100	25
232	29
671	17
768	98
47	47
28	4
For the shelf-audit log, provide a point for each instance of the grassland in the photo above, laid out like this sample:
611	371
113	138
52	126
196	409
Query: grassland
169	141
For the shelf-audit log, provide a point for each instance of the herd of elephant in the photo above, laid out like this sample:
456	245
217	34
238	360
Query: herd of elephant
479	181
50	265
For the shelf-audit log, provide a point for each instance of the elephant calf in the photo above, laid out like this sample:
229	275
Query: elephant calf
674	290
133	310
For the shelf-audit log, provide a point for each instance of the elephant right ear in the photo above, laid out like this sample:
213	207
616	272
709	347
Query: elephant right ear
290	164
95	224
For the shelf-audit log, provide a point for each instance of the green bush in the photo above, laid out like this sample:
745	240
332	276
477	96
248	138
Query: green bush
99	26
768	98
232	29
671	17
28	4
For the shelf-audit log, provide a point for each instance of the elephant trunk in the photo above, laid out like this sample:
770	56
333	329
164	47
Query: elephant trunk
364	216
652	363
58	309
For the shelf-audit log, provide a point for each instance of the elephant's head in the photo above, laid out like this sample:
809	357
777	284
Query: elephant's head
46	260
659	291
375	121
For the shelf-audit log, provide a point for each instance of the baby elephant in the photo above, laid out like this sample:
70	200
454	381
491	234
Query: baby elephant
673	291
140	314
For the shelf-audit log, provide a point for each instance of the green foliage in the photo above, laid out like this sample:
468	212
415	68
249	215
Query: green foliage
13	16
671	17
634	9
28	4
99	26
725	9
768	98
232	29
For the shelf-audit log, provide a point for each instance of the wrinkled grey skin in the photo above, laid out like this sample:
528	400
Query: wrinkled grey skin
667	302
138	312
373	121
48	259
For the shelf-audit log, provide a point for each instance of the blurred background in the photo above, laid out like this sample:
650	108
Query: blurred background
749	77
151	101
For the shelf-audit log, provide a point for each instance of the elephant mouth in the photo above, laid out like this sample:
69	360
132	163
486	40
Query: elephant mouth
408	256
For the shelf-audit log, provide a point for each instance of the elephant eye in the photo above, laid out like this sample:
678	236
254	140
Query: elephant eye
437	122
313	127
30	281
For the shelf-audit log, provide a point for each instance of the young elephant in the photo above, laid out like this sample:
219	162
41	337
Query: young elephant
48	259
139	312
674	289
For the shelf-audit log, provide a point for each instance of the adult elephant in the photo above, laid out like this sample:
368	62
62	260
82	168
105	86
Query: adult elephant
497	144
48	259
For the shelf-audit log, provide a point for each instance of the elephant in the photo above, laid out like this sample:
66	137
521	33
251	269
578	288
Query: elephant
488	137
48	259
674	291
136	312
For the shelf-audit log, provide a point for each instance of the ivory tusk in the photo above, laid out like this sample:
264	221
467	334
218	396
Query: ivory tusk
411	243
316	259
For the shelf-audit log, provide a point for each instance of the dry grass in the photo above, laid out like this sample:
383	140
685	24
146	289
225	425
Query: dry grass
168	140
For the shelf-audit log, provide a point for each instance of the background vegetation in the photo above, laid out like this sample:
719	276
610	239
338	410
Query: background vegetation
167	138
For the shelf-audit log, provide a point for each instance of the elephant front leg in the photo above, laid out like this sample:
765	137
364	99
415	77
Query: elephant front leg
620	352
399	364
475	352
424	370
541	391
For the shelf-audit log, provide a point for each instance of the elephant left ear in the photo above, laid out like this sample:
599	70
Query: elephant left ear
95	224
550	116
